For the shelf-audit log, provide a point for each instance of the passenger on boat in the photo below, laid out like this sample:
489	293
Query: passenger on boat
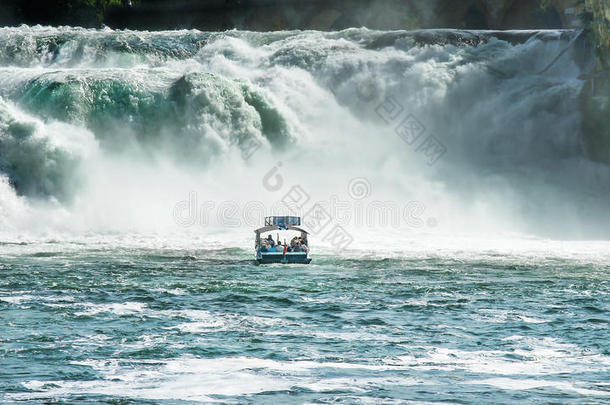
294	242
298	244
270	241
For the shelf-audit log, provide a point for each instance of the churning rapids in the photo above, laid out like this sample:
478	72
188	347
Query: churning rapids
135	165
109	130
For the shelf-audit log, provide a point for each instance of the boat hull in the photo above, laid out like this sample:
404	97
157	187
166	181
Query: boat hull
288	258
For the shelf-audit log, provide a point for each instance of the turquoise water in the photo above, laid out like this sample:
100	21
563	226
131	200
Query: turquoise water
123	325
134	167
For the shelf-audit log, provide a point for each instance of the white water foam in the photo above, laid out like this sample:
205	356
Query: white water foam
134	180
196	379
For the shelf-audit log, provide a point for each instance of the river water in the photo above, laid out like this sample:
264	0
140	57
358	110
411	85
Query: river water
470	265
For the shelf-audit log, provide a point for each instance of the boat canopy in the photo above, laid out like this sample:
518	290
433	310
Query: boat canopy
277	228
282	222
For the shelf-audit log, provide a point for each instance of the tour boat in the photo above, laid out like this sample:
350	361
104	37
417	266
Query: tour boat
279	250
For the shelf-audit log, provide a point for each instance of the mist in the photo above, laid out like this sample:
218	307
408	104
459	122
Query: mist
390	134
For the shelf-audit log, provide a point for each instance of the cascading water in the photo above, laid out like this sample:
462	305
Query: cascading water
135	165
174	105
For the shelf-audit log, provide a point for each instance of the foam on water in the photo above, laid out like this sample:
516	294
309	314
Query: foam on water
160	116
128	195
209	379
498	325
118	309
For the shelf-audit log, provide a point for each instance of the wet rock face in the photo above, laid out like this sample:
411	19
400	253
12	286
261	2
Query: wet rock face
596	118
600	26
596	92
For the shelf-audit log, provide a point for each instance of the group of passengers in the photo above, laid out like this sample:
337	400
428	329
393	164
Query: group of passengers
297	244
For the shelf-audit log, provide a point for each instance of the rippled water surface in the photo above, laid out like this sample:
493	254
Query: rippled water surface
135	165
84	324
